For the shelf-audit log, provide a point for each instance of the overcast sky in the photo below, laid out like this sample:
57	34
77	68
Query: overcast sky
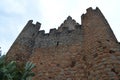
14	15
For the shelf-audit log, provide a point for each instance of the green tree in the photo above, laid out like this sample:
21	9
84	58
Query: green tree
10	71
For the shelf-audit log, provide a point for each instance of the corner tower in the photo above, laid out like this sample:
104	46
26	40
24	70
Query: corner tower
100	46
94	23
23	45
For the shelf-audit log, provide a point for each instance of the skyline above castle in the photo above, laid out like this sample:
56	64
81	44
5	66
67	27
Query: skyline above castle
15	14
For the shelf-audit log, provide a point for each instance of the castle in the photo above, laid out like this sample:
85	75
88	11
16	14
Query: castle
89	51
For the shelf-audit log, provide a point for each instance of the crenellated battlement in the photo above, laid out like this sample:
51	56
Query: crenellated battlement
53	31
90	11
69	22
65	34
32	36
65	37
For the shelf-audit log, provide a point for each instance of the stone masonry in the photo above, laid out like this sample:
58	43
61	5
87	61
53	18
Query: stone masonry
89	51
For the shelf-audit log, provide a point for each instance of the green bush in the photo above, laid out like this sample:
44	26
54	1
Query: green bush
10	71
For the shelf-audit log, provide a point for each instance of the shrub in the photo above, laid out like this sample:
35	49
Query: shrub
10	71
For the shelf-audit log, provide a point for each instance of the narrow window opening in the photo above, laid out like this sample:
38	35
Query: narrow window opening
73	63
57	43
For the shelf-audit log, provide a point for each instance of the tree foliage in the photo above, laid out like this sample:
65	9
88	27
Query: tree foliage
10	71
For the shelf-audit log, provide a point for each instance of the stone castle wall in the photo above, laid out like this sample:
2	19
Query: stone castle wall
89	51
56	38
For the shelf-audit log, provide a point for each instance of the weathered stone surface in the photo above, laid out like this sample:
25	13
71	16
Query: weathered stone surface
88	51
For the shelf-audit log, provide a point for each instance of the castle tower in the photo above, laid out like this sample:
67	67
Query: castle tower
23	45
100	47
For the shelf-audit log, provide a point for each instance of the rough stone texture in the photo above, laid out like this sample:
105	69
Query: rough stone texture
88	51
